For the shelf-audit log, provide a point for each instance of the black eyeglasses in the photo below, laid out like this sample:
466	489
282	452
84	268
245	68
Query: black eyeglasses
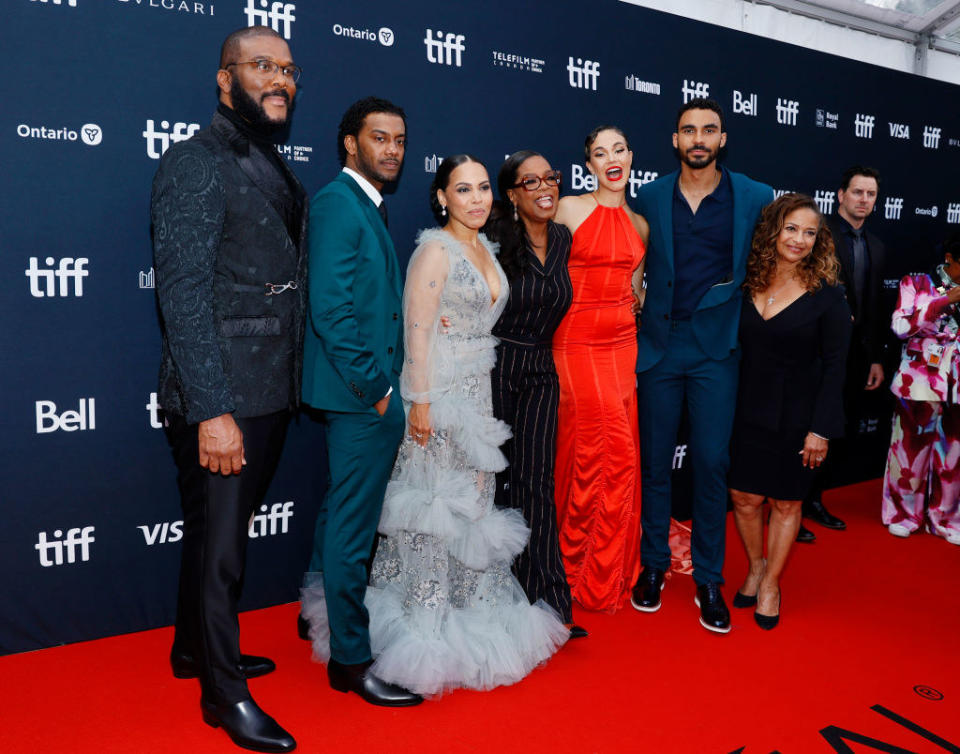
267	68
533	182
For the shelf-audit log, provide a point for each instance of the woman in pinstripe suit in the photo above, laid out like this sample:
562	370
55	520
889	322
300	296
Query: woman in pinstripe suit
533	252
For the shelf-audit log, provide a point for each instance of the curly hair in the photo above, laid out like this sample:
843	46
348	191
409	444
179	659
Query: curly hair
353	119
818	267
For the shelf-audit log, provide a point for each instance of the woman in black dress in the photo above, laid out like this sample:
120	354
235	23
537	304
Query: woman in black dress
533	253
795	332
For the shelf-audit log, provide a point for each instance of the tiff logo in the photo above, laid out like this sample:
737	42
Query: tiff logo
787	111
678	454
181	132
431	163
744	105
694	89
953	213
899	130
70	3
931	137
863	126
76	537
444	50
153	409
163	533
147	279
825	200
48	420
67	269
266	524
278	13
892	207
584	74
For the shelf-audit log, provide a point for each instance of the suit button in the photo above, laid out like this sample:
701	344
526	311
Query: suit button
390	349
394	316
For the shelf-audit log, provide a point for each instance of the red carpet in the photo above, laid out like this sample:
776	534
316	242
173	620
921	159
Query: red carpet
866	656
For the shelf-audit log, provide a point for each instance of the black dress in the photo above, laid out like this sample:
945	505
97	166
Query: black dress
791	383
525	395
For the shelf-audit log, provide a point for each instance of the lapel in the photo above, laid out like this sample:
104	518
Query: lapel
665	217
740	226
380	230
844	255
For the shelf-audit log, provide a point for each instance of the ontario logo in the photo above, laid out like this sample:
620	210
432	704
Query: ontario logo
89	133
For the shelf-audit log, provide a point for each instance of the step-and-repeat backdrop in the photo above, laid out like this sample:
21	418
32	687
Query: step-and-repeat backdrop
96	90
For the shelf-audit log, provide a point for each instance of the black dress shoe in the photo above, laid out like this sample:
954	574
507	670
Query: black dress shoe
817	512
248	726
714	615
578	632
645	596
361	681
805	535
744	600
303	628
768	622
250	666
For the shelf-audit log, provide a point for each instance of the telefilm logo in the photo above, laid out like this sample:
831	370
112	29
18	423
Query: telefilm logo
518	62
89	133
787	111
694	89
584	74
825	200
931	137
638	85
892	207
953	213
166	135
79	538
180	6
826	119
63	277
581	180
277	15
927	211
744	104
384	35
899	130
863	126
445	49
68	3
83	419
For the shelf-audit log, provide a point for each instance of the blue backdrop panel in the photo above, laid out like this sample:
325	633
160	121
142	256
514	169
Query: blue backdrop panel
90	545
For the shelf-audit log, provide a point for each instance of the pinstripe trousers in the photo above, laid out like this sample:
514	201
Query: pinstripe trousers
525	395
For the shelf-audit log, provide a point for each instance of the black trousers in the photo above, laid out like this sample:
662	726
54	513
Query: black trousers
216	515
525	395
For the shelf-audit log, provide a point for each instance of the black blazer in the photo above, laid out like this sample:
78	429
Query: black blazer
871	327
228	347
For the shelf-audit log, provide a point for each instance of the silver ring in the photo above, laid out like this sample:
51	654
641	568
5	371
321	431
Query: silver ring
819	458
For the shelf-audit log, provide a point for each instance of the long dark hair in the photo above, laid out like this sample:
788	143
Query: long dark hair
501	227
442	179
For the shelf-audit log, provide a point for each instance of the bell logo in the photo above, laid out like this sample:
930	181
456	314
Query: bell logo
824	200
581	180
892	207
953	213
180	132
272	16
67	269
266	524
787	111
163	533
444	50
931	137
863	126
744	105
694	89
75	538
84	418
584	74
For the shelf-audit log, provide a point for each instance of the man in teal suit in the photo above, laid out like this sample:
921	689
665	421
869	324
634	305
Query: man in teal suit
353	353
701	225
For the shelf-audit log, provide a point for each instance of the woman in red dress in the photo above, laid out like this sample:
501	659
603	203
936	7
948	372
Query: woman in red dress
595	349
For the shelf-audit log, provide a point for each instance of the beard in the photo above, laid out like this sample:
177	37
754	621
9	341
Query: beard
368	169
252	111
700	162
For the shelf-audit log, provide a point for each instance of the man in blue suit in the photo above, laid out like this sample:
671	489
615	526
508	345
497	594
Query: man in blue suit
701	224
353	353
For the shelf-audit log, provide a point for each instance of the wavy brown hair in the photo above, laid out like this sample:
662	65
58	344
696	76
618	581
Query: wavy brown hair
818	267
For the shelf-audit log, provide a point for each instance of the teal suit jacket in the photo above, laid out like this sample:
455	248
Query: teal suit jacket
353	347
717	317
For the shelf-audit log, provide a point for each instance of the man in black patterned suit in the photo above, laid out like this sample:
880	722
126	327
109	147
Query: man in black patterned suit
229	226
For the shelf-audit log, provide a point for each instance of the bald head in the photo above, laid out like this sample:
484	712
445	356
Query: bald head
230	50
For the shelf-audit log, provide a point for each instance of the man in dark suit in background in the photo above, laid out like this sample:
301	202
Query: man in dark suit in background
353	355
862	257
228	228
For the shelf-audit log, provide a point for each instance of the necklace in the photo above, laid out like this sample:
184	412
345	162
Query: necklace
773	296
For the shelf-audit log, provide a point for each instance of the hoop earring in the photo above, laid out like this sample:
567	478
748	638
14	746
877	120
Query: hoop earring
515	215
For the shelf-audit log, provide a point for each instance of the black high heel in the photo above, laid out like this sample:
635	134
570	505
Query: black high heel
768	622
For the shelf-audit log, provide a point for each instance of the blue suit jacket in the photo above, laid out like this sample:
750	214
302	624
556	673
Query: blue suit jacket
353	347
717	316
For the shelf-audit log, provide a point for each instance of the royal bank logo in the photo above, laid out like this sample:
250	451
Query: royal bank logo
583	74
638	85
583	180
277	15
431	163
295	152
59	549
931	137
518	62
89	133
825	200
892	207
787	111
159	140
383	35
953	213
445	49
694	90
147	279
927	211
269	523
899	130
744	104
826	119
63	277
83	419
863	126
68	3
